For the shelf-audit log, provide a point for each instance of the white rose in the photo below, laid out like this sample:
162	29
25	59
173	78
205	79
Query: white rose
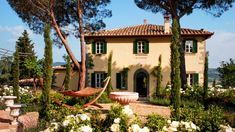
175	124
117	120
193	126
84	117
85	129
65	123
115	128
135	128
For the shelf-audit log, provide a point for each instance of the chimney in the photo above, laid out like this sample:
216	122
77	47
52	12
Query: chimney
145	21
166	23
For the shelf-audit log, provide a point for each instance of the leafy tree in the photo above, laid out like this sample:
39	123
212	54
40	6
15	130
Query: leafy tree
178	9
16	74
5	69
35	67
109	88
81	16
227	73
205	84
47	75
68	72
26	52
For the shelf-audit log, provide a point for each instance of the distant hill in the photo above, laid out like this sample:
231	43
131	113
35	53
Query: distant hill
213	74
58	63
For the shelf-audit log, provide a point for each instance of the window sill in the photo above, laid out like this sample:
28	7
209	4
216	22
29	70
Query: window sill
141	54
99	54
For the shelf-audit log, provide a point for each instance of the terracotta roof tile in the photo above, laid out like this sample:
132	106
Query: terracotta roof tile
145	30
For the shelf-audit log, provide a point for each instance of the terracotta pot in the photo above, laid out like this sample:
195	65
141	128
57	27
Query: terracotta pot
124	98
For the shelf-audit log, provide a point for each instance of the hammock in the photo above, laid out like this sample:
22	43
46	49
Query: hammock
86	92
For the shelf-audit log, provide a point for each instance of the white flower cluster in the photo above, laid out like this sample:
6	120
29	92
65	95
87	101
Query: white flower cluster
136	128
115	127
226	129
127	110
174	126
72	123
8	90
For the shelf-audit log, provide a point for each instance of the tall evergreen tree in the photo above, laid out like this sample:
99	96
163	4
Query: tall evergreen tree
110	72
68	72
25	46
47	75
205	83
159	76
16	74
82	16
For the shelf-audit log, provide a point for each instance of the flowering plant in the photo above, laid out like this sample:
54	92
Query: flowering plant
174	126
71	123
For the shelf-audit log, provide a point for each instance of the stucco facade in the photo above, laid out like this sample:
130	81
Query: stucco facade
123	57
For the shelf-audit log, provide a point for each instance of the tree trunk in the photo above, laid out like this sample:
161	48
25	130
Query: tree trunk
82	78
34	85
175	67
182	68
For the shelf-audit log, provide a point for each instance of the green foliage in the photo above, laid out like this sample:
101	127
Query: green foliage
68	72
205	82
16	75
230	118
160	101
104	98
90	63
25	47
175	68
5	69
206	120
97	122
157	72
34	66
109	87
155	122
116	111
47	74
227	73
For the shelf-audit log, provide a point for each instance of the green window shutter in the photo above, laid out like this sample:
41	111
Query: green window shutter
195	78
135	47
146	47
92	79
195	46
118	80
93	48
105	47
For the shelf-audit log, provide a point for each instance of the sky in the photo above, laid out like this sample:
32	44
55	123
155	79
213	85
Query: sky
221	45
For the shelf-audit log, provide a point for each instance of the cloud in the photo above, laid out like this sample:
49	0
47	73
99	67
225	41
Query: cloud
221	47
14	32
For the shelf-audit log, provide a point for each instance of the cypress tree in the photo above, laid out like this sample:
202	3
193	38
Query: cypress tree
159	76
25	46
110	72
205	84
68	71
175	69
47	75
16	75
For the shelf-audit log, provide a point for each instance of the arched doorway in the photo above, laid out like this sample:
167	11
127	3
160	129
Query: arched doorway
141	82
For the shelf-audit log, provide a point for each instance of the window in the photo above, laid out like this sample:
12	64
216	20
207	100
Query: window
190	46
99	47
141	47
97	79
192	79
121	80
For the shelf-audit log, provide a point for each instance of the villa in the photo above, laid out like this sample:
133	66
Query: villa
136	50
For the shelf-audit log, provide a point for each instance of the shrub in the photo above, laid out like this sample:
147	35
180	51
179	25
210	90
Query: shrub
155	122
115	112
230	118
160	101
206	120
